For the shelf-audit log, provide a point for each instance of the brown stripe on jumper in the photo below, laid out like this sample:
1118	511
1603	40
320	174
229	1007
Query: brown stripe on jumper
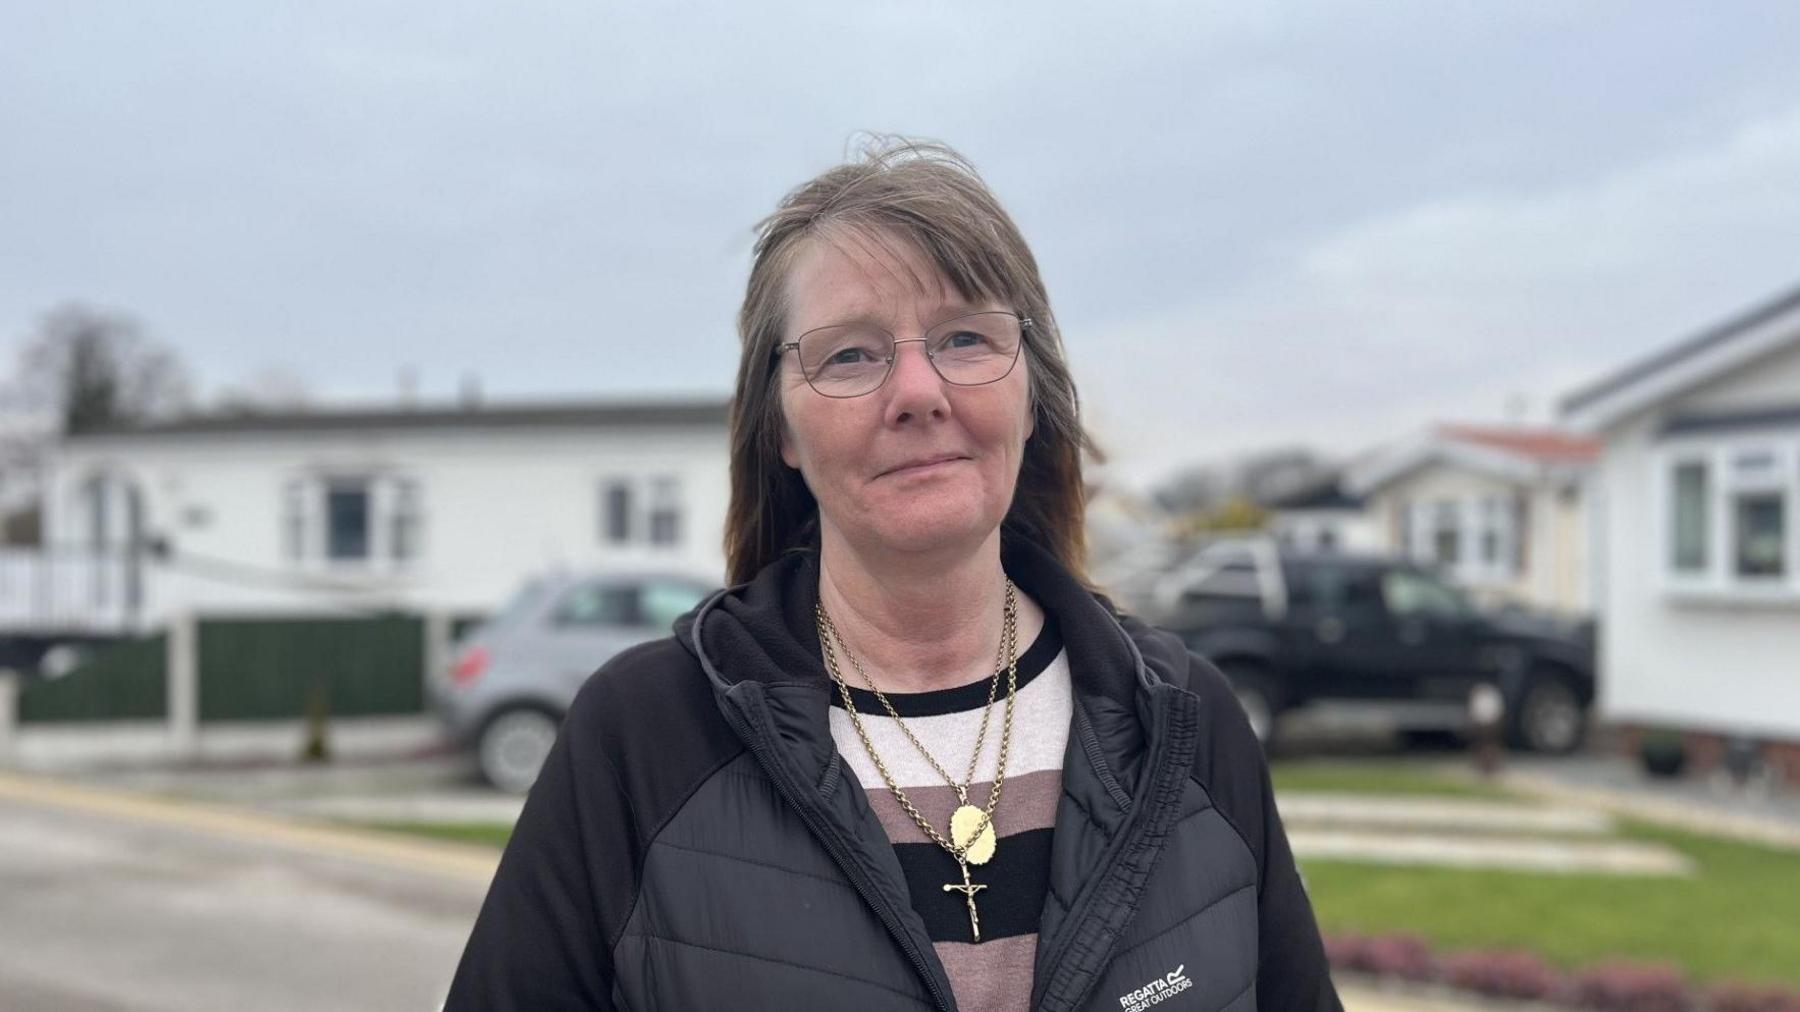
1027	801
987	975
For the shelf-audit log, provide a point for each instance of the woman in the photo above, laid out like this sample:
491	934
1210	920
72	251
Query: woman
910	760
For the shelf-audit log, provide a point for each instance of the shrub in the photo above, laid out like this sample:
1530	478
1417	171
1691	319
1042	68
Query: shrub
1633	987
1738	997
1504	974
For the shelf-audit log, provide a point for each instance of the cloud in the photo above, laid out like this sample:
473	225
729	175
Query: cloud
1444	309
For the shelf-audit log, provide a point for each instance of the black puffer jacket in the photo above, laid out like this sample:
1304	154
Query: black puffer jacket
696	841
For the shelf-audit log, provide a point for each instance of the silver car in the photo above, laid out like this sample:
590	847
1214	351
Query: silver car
513	677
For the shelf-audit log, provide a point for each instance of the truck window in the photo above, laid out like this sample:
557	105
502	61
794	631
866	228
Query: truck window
1409	594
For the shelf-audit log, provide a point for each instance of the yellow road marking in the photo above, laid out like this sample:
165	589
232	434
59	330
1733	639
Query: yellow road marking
458	861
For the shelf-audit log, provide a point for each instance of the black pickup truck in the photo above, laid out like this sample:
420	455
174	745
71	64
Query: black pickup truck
1294	630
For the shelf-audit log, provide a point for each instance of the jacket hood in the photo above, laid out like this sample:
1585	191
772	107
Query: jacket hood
758	644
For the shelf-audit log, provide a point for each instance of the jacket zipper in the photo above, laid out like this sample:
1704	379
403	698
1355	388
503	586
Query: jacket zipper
1157	775
852	870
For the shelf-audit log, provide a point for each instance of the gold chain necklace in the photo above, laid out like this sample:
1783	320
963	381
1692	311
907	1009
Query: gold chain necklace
961	787
972	839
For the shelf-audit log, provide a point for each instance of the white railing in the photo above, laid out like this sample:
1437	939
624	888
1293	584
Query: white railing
51	589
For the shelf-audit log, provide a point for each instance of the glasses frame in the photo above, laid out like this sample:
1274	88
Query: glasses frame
1025	326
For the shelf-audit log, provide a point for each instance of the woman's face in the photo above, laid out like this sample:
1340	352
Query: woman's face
919	465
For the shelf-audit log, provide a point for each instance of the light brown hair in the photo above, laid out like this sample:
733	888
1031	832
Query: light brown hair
928	195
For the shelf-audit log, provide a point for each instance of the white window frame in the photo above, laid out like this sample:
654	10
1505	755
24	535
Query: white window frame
1469	568
304	498
1719	579
646	494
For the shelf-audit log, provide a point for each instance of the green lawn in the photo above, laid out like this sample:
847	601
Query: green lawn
1738	917
487	833
1377	776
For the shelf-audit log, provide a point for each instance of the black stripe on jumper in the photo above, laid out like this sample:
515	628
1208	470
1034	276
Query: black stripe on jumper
972	696
1017	880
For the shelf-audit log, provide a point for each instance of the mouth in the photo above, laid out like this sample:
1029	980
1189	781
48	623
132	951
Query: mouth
923	465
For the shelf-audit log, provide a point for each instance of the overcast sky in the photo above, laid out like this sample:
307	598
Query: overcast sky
1261	224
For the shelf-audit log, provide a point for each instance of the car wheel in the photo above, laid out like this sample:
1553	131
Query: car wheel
1551	718
513	746
1257	695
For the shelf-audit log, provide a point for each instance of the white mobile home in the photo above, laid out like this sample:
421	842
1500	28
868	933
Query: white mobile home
1699	575
1501	510
438	508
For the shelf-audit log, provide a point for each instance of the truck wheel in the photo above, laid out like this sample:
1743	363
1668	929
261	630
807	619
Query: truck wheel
1257	693
1550	716
513	745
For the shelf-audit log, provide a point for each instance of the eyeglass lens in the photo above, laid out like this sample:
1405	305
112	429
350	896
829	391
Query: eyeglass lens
855	359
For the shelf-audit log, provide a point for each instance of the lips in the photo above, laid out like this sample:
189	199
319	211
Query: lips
922	462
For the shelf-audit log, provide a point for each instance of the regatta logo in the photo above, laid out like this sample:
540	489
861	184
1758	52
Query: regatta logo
1157	991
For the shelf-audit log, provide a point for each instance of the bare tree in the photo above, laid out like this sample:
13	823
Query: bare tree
94	369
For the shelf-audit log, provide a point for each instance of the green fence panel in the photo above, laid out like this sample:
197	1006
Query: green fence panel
127	680
268	669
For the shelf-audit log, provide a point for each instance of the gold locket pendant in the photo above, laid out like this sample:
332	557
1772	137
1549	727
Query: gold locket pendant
962	828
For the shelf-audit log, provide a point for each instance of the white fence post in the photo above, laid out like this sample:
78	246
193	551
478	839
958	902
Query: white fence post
9	715
184	683
437	649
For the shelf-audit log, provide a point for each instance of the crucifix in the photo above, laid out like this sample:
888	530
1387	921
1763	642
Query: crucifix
968	889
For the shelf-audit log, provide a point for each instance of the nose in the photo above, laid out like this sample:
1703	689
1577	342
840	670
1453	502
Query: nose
915	390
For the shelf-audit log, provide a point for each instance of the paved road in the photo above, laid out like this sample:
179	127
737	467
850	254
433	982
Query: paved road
113	903
116	901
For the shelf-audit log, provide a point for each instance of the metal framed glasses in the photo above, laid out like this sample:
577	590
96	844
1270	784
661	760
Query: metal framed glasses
853	359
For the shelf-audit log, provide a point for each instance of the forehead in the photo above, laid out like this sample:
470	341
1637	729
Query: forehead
846	275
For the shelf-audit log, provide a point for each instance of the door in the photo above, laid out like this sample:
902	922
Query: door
1337	630
1433	648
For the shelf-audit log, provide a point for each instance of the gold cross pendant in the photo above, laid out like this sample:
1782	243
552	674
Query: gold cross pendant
968	889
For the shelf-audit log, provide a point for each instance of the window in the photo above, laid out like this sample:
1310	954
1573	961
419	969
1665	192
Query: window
347	520
403	540
662	603
598	604
1759	543
1726	516
1688	517
1446	534
615	512
636	511
361	520
1339	590
665	512
1492	519
1414	594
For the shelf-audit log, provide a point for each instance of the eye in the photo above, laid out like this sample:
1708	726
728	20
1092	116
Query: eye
965	339
850	356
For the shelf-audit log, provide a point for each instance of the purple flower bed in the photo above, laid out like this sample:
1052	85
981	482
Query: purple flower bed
1503	973
1403	957
1752	998
1634	987
1516	974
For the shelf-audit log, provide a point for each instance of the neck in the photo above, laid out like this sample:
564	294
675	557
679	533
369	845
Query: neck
920	623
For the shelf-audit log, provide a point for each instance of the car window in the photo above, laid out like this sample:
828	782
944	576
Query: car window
1409	594
1340	589
598	604
523	605
665	601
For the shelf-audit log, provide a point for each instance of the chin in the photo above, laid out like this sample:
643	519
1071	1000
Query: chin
927	527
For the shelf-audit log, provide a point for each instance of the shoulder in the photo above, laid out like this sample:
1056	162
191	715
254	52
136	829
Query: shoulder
650	717
1229	763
